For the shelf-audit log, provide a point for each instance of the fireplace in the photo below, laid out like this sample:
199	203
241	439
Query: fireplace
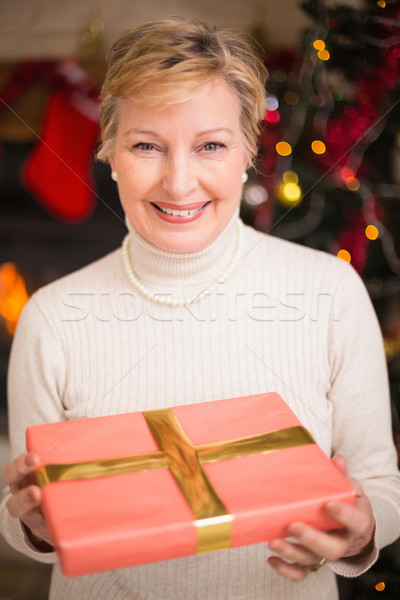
36	247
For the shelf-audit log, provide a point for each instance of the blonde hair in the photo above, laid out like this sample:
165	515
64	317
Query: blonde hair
165	60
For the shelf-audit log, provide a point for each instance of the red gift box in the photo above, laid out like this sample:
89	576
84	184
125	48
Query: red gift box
129	489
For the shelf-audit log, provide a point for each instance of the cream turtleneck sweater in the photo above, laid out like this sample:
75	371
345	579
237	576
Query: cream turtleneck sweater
289	319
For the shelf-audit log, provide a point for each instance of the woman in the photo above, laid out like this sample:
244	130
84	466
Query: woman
194	307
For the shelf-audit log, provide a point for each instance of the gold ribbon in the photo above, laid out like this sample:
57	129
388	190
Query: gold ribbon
213	522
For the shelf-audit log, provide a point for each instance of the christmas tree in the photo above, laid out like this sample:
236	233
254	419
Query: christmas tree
329	169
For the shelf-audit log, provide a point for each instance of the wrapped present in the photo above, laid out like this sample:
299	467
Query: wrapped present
134	488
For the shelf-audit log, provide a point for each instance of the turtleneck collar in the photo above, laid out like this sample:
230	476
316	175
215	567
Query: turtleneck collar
154	266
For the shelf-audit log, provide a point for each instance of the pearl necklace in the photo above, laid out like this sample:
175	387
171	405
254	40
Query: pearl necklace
172	301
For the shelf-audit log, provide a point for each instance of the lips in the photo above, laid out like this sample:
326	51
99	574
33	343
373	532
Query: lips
183	214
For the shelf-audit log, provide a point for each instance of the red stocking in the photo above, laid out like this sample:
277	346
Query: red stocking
58	172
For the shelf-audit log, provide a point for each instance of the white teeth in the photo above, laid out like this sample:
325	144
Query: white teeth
180	213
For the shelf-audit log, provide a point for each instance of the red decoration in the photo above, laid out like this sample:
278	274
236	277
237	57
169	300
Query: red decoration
58	172
272	116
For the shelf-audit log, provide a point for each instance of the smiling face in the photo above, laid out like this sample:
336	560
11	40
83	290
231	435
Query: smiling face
180	168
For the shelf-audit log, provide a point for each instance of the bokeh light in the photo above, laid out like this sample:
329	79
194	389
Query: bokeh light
271	102
347	174
337	94
318	147
291	98
371	232
290	177
291	192
324	55
344	255
255	195
272	116
279	75
319	45
353	184
380	586
283	148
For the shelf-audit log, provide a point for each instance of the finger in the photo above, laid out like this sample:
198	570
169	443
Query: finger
24	501
330	545
294	552
294	571
19	468
358	520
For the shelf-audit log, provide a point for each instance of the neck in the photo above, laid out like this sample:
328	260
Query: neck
181	275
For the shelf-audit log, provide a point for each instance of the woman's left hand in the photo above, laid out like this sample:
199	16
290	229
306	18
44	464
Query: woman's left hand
311	546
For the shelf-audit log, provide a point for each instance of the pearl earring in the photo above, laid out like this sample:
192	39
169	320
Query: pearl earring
244	177
114	175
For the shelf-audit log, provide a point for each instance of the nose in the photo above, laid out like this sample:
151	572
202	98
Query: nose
180	176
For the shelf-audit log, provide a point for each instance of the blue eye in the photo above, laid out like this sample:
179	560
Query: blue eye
212	146
144	146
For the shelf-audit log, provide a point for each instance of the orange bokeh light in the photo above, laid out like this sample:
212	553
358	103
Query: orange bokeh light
283	148
324	55
319	45
318	147
344	255
371	232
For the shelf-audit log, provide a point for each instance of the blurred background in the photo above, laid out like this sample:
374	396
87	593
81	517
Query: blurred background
328	173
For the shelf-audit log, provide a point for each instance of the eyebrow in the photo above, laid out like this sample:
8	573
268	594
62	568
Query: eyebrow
154	133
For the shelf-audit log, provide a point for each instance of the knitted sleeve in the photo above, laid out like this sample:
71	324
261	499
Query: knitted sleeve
35	384
361	412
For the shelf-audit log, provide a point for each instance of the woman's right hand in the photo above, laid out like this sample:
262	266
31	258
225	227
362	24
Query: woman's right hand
26	500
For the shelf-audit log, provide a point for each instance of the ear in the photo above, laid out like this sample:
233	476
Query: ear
247	164
247	161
